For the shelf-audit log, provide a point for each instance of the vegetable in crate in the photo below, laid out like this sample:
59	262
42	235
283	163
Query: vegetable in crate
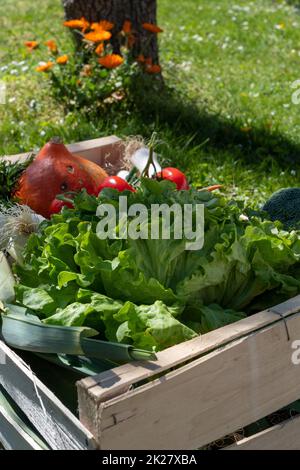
153	293
54	171
10	173
57	205
174	175
17	222
284	205
115	182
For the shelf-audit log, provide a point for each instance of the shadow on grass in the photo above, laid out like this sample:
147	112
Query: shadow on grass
295	3
183	118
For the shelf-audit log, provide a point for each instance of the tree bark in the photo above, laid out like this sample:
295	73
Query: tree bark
117	11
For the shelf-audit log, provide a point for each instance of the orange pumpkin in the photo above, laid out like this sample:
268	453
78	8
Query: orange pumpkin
55	171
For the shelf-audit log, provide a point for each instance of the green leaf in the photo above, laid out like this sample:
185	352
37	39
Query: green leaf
73	315
213	317
151	326
36	299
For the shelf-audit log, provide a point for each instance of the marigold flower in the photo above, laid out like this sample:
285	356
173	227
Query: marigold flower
31	44
102	25
82	24
127	27
94	26
153	69
44	67
100	48
111	61
152	28
98	36
140	58
63	59
52	46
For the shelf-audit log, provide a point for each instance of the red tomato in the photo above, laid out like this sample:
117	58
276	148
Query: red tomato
115	182
57	205
174	175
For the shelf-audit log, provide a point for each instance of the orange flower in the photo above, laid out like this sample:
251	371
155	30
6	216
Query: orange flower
111	61
148	60
51	44
31	45
82	24
63	59
100	48
127	27
45	67
94	26
98	36
140	58
153	28
153	68
102	25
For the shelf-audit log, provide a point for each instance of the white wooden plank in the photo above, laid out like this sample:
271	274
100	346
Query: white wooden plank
12	436
206	399
86	145
283	436
59	427
105	151
113	382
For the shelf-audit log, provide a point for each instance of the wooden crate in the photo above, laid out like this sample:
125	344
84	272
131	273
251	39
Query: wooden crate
195	393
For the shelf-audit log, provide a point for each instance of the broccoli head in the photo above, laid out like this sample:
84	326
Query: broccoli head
284	205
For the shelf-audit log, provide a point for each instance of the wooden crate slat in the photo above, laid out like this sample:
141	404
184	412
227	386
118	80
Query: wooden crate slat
113	382
283	436
12	436
105	151
207	399
56	424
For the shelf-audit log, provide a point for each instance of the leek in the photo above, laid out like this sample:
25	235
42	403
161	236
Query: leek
7	281
27	332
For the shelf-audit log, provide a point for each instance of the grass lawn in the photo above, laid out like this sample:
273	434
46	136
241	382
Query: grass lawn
233	64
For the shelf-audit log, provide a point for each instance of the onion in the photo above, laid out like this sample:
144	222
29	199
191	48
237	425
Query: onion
17	223
7	280
140	160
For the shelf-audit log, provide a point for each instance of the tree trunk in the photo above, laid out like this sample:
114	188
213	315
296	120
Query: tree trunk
117	11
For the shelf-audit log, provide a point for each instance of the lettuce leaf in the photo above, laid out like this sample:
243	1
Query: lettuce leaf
207	318
155	293
149	327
